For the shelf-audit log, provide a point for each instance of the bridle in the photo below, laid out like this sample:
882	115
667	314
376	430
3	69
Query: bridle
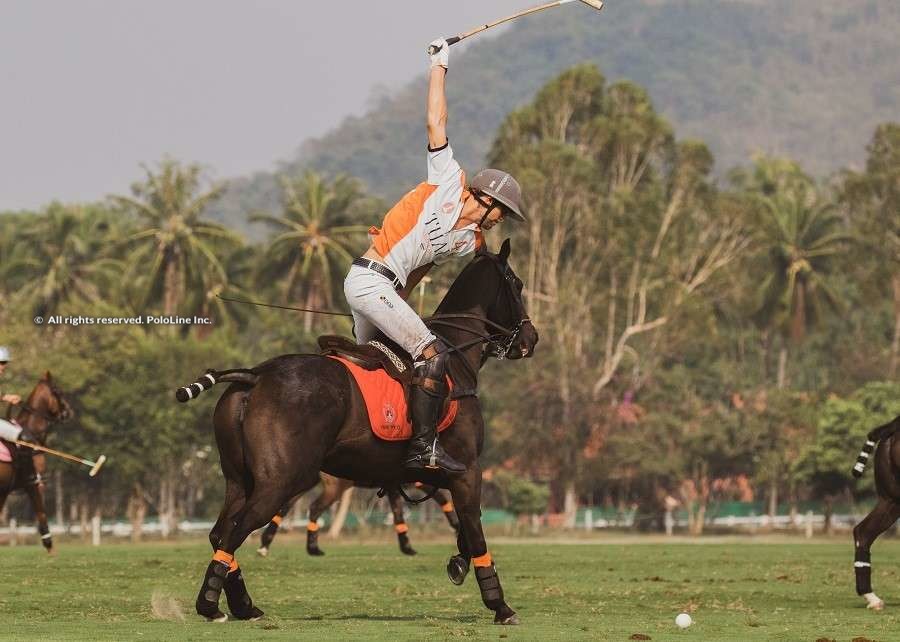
51	419
496	344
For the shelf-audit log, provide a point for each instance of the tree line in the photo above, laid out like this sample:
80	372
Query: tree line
702	339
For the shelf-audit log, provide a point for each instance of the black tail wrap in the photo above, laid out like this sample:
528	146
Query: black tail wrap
863	459
489	584
205	382
863	569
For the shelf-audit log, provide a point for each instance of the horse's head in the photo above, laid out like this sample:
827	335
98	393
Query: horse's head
489	283
46	405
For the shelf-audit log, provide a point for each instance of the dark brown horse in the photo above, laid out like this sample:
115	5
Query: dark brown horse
885	443
44	407
280	423
332	489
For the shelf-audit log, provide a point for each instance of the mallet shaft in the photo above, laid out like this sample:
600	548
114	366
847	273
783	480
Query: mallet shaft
51	451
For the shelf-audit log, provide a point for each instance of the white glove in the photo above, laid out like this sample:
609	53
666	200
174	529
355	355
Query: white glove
442	57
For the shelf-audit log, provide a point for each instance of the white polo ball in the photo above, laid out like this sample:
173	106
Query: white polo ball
683	620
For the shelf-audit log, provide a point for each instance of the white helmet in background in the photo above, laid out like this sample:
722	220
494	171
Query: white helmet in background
4	353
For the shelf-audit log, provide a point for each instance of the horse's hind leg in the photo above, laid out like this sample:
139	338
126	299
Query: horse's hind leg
271	529
35	491
466	492
223	571
332	489
443	499
881	518
400	527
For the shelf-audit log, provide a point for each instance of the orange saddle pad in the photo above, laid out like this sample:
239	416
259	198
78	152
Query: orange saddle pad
386	404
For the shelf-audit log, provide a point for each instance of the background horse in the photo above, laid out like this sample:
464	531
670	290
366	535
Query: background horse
886	511
332	489
44	407
283	421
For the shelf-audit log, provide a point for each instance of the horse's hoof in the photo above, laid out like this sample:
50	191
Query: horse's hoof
457	569
408	551
252	616
262	552
874	602
315	552
510	620
217	617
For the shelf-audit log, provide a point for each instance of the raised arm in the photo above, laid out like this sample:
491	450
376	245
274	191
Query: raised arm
436	117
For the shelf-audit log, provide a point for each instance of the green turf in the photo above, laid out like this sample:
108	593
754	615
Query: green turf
737	590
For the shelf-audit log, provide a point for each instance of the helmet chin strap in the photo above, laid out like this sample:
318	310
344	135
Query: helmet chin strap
488	209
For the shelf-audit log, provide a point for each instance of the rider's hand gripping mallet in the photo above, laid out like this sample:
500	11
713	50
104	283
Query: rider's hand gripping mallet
452	40
94	465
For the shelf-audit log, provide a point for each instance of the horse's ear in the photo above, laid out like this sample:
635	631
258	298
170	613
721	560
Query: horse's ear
504	251
47	376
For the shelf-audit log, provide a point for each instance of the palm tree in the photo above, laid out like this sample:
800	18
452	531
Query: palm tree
59	259
315	240
801	234
177	250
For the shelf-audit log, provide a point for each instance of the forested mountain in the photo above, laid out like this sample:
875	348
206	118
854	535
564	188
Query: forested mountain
807	79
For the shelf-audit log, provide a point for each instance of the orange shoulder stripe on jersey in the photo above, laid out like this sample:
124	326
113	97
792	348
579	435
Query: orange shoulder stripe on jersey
402	218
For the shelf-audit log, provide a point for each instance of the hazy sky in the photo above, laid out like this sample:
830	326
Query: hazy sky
91	88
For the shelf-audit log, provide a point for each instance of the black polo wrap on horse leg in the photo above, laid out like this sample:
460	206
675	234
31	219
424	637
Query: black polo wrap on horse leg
863	568
312	539
269	532
213	582
489	585
46	537
239	601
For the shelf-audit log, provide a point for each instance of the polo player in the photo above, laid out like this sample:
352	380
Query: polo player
10	431
440	219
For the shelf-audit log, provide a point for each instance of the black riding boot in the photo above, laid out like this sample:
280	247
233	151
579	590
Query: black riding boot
426	402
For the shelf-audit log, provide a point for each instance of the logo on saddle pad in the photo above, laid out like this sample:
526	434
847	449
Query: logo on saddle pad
389	413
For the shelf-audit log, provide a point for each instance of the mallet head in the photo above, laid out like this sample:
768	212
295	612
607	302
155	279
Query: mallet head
97	465
596	4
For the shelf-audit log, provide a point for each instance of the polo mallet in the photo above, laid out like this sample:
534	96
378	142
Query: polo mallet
94	465
452	40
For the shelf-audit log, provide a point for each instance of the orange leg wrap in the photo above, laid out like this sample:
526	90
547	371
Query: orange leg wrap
482	560
448	507
401	528
222	556
277	520
312	527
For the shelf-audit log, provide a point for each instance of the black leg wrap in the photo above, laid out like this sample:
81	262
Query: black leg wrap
269	534
457	569
239	602
863	569
489	583
208	598
312	543
46	539
405	546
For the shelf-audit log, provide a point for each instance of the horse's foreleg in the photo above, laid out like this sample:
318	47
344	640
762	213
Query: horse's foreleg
35	490
866	532
400	527
466	492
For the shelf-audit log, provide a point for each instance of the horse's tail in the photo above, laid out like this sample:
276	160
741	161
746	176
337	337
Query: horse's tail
872	439
211	378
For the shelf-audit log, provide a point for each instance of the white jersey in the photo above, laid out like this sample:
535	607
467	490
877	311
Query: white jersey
419	229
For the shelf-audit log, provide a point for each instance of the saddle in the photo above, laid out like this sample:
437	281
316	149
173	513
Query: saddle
384	379
371	356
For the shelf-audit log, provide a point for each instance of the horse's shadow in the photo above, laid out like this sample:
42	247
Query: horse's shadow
469	619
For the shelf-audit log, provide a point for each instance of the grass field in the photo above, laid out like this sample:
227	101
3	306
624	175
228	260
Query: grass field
607	589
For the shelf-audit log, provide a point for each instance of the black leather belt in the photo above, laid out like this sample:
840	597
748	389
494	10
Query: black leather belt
381	269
